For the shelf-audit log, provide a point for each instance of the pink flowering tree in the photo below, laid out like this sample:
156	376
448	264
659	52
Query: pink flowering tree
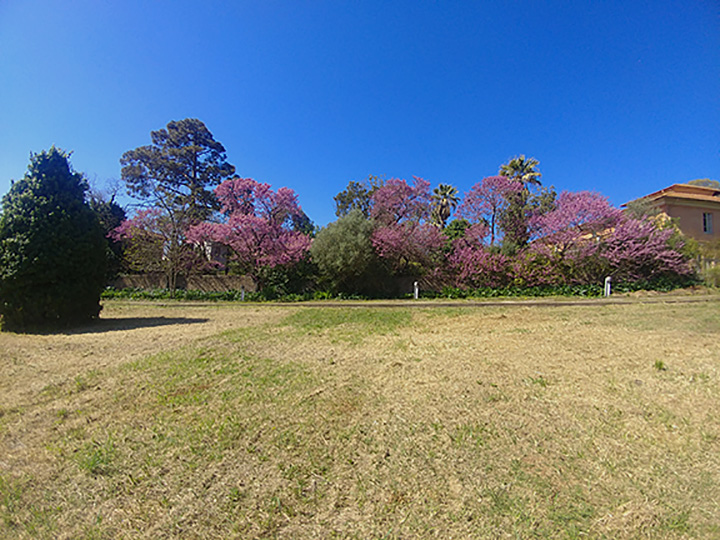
576	216
486	200
397	201
257	226
404	236
154	241
584	238
475	266
570	234
642	250
471	262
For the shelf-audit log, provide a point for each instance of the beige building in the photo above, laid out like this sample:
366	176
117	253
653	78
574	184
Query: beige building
696	209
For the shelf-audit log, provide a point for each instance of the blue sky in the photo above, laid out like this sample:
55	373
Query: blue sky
621	97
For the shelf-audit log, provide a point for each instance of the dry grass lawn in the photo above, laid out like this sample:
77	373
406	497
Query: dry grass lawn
245	421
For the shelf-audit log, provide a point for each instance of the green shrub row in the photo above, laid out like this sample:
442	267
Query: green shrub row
225	296
270	295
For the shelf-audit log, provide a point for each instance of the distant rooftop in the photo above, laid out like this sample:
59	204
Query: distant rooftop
686	191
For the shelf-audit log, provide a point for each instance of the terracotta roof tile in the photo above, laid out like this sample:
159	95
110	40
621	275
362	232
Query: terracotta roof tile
687	192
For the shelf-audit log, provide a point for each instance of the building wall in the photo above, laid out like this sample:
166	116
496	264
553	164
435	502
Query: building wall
690	218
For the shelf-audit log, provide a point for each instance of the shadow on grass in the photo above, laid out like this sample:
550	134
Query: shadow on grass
130	323
100	326
103	325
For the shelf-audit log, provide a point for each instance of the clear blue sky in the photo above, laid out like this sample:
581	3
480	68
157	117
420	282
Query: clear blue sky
621	97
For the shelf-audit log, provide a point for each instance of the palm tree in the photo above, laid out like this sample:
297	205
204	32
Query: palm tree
522	169
445	200
514	219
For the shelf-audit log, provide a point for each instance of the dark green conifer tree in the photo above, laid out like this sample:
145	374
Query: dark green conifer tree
52	248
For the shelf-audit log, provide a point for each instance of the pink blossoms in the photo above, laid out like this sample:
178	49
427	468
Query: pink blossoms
257	226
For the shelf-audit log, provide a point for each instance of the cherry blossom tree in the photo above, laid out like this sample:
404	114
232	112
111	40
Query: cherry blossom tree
580	240
569	235
473	265
576	215
257	225
640	249
486	200
403	235
397	201
471	262
410	247
585	238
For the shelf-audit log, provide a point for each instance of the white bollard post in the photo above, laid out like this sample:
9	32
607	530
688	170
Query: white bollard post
608	286
242	294
416	290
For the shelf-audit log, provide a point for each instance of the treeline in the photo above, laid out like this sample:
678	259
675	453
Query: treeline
59	245
508	231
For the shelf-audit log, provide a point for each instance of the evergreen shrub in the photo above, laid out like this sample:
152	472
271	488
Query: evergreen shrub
52	248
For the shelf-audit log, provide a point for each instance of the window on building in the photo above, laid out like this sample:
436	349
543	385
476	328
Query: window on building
707	222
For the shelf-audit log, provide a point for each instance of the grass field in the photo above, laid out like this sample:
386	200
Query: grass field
242	421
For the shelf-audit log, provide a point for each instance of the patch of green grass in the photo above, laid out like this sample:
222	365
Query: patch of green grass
87	380
351	323
7	414
97	458
471	435
243	334
196	376
677	521
10	501
540	381
96	530
53	390
574	513
519	331
62	415
20	516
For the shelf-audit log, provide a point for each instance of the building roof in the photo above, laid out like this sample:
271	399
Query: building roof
687	192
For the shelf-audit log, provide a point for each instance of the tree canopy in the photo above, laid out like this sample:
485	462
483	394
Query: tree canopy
52	248
357	196
194	216
514	218
258	225
178	170
174	176
110	216
705	182
346	259
522	169
404	236
487	200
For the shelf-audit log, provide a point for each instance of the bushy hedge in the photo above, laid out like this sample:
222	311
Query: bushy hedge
586	291
224	296
591	290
